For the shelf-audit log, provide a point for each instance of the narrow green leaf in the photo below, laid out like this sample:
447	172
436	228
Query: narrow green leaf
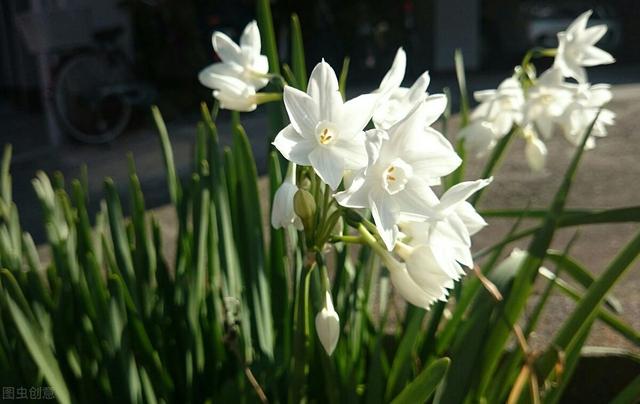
401	366
268	35
297	53
612	320
516	300
578	273
40	351
471	336
167	152
629	394
5	176
491	164
344	74
420	389
587	308
256	276
458	174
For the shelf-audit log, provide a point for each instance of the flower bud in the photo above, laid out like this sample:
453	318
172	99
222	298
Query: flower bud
282	211
535	151
305	207
328	325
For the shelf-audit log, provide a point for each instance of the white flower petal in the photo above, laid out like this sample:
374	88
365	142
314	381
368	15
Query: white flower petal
434	108
302	111
352	151
210	76
357	195
323	88
293	146
251	37
356	113
382	212
580	23
417	200
395	75
407	287
595	56
478	137
460	193
226	49
471	219
431	155
593	34
536	153
417	91
328	165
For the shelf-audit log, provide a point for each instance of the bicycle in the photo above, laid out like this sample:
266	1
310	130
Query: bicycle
95	90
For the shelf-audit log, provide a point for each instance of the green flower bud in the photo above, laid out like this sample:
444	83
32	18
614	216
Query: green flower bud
305	207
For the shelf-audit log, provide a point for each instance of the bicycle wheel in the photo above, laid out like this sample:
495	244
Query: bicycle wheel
87	106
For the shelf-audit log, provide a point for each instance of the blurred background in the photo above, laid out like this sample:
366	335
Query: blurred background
77	77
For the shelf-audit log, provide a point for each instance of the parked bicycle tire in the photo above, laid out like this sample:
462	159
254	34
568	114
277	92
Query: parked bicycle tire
87	101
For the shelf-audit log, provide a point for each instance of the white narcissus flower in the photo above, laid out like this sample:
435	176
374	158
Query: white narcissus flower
325	132
403	163
243	62
233	93
448	231
576	48
588	100
502	106
479	137
328	325
498	111
399	102
395	101
282	211
547	100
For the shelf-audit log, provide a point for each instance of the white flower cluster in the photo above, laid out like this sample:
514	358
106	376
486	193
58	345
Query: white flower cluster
392	169
535	106
240	73
389	170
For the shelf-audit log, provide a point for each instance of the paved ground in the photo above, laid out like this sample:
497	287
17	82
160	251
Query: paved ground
607	178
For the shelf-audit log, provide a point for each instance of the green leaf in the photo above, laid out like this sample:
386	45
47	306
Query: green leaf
458	174
297	53
587	308
402	364
120	240
5	178
420	389
268	35
516	300
493	161
574	269
252	245
167	152
275	111
278	267
630	393
40	351
471	336
344	73
612	320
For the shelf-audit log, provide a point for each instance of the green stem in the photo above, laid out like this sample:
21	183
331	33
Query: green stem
347	239
371	241
492	163
301	332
